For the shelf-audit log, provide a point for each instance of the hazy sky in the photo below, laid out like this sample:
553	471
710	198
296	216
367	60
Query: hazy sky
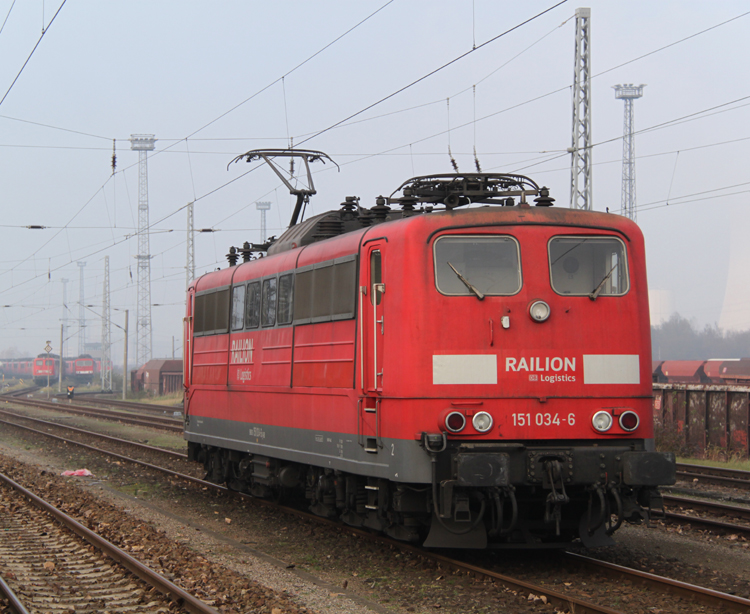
206	80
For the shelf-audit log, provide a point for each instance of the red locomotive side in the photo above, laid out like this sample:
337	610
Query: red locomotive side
19	368
477	375
83	369
45	367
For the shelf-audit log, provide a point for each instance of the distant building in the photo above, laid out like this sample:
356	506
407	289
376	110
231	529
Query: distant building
157	377
660	306
735	314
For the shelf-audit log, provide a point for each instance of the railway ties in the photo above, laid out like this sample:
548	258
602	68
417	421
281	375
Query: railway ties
563	600
733	478
50	562
153	421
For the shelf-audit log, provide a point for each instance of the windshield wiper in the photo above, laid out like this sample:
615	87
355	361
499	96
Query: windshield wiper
598	289
480	296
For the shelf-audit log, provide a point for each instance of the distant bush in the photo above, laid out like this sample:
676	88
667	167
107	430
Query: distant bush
678	339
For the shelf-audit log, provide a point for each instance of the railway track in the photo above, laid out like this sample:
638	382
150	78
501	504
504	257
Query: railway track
132	405
719	476
161	422
714	508
48	566
714	599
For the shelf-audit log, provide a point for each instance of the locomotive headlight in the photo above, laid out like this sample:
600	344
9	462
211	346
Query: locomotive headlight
482	421
602	421
455	421
539	311
629	421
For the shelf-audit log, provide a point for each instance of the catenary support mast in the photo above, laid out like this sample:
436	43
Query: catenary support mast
106	369
580	149
81	312
190	266
64	313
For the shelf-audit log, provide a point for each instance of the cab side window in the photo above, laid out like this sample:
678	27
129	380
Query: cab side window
286	289
252	305
268	302
238	307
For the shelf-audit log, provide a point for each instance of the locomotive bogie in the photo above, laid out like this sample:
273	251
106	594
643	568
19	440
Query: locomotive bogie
469	377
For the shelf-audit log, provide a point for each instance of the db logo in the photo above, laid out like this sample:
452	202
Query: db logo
533	377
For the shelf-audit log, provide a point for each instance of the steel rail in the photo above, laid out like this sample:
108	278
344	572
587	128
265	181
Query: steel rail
144	446
574	604
578	605
13	601
131	405
709	478
739	474
717	599
164	586
16	393
707	522
86	446
722	601
105	412
168	424
709	506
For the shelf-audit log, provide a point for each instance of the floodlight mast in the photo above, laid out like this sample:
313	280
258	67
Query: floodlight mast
306	155
628	93
263	207
143	143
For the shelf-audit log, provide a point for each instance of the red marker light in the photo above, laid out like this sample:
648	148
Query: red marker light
455	422
629	421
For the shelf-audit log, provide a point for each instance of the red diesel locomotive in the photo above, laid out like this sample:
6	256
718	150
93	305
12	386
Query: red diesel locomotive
468	376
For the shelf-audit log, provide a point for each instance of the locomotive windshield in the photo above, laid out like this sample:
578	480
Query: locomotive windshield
588	266
477	266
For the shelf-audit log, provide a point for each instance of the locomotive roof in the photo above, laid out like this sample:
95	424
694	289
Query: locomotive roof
427	204
297	247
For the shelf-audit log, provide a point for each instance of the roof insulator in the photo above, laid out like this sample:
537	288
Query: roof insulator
544	200
232	256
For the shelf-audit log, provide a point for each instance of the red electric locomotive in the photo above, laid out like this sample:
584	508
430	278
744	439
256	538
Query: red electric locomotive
83	369
467	376
45	368
18	368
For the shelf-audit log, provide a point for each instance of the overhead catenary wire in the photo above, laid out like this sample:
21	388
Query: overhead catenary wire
12	4
249	171
435	71
44	31
308	59
695	115
289	72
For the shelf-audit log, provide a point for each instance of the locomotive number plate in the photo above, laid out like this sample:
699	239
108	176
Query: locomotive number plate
544	419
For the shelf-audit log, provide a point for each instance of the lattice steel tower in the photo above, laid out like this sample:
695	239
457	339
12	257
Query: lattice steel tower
106	332
190	266
263	207
64	314
143	143
81	313
580	149
628	93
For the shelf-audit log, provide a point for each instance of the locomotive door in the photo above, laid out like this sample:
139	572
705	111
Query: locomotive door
372	334
373	321
187	342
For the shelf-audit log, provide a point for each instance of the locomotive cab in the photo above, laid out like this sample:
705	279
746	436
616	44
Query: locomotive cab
467	376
